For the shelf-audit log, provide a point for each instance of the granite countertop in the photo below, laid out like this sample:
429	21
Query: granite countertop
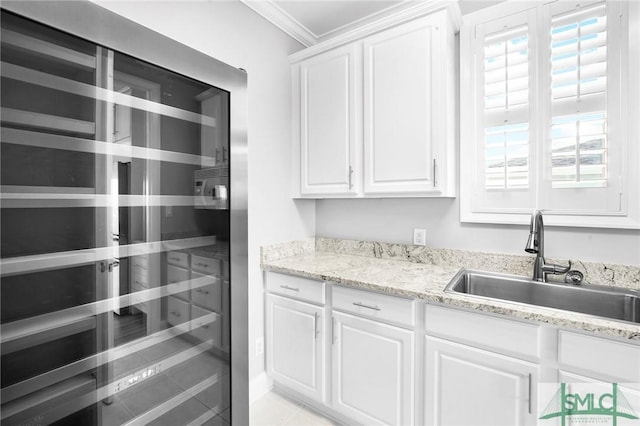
423	274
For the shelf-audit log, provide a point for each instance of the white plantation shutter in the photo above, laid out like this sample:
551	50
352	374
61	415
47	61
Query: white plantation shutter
583	150
541	103
578	97
503	170
506	99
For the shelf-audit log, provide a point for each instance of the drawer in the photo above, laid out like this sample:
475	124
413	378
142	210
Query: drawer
203	329
206	265
178	258
209	296
374	305
483	331
180	276
178	311
609	359
298	287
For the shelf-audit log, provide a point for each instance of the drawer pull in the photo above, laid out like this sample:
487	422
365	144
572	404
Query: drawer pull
175	314
362	305
202	264
286	287
202	291
177	259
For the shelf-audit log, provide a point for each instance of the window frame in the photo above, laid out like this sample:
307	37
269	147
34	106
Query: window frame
472	116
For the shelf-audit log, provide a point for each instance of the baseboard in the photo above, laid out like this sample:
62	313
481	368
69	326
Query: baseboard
259	386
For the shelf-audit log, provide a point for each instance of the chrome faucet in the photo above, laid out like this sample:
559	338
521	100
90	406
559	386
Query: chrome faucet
535	244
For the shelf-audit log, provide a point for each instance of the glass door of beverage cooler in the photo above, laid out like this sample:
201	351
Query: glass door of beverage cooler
115	270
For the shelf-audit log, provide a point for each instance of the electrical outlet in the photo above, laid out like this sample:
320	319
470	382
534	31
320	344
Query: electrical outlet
419	237
259	346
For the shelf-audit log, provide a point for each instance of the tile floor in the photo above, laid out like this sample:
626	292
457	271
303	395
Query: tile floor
138	399
274	409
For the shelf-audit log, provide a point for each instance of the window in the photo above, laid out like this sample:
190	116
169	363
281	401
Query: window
549	92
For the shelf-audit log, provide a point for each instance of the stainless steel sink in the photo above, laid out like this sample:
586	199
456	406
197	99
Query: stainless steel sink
609	302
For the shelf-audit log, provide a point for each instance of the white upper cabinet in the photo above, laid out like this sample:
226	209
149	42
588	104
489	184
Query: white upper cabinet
375	116
328	131
405	104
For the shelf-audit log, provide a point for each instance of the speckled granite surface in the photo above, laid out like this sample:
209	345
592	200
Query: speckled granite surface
423	273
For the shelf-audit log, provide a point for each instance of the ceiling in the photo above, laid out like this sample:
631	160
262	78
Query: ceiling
313	21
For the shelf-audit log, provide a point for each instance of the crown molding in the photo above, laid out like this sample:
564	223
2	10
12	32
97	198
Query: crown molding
281	19
415	11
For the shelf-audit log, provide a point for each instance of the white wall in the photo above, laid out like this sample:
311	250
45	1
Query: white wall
234	34
393	220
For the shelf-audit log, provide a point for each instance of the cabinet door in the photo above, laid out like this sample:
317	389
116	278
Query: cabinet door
295	349
399	145
372	379
328	123
469	386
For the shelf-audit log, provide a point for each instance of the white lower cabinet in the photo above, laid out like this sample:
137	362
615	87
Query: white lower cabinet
372	359
295	348
372	364
469	386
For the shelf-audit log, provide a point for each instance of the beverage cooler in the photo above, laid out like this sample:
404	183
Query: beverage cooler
123	288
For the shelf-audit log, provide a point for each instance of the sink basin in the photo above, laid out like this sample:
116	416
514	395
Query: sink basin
609	302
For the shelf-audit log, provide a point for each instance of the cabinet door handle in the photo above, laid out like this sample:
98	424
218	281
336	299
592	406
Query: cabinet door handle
333	330
175	314
434	173
286	287
362	305
530	391
224	154
315	324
